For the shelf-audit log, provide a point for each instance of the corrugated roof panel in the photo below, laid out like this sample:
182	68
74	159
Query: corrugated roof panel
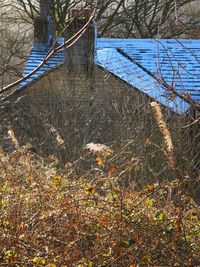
37	55
176	61
119	65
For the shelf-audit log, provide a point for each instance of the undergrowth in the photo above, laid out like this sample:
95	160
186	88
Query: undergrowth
53	216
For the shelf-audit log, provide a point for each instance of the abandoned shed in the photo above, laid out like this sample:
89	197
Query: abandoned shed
100	90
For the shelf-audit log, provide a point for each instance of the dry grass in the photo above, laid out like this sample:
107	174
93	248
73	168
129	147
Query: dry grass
169	149
50	216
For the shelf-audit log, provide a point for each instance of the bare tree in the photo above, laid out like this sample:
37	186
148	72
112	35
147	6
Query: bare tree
151	18
15	40
124	18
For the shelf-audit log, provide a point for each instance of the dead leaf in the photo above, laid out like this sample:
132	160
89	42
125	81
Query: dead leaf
104	220
150	187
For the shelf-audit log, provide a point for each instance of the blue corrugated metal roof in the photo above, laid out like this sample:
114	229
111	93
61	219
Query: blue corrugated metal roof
122	67
177	61
37	55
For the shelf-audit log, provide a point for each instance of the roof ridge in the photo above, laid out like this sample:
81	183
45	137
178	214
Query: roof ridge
161	81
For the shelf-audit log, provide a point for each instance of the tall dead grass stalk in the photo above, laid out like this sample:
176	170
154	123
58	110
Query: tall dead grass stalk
168	145
13	138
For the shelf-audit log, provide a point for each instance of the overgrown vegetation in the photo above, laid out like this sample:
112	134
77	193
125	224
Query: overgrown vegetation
85	216
99	210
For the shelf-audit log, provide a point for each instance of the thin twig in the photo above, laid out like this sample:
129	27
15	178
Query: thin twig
186	97
67	44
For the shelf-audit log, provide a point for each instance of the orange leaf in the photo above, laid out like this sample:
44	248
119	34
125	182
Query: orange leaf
113	169
150	187
21	226
138	237
15	155
104	220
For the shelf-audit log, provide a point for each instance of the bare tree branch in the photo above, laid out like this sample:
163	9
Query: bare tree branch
170	88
